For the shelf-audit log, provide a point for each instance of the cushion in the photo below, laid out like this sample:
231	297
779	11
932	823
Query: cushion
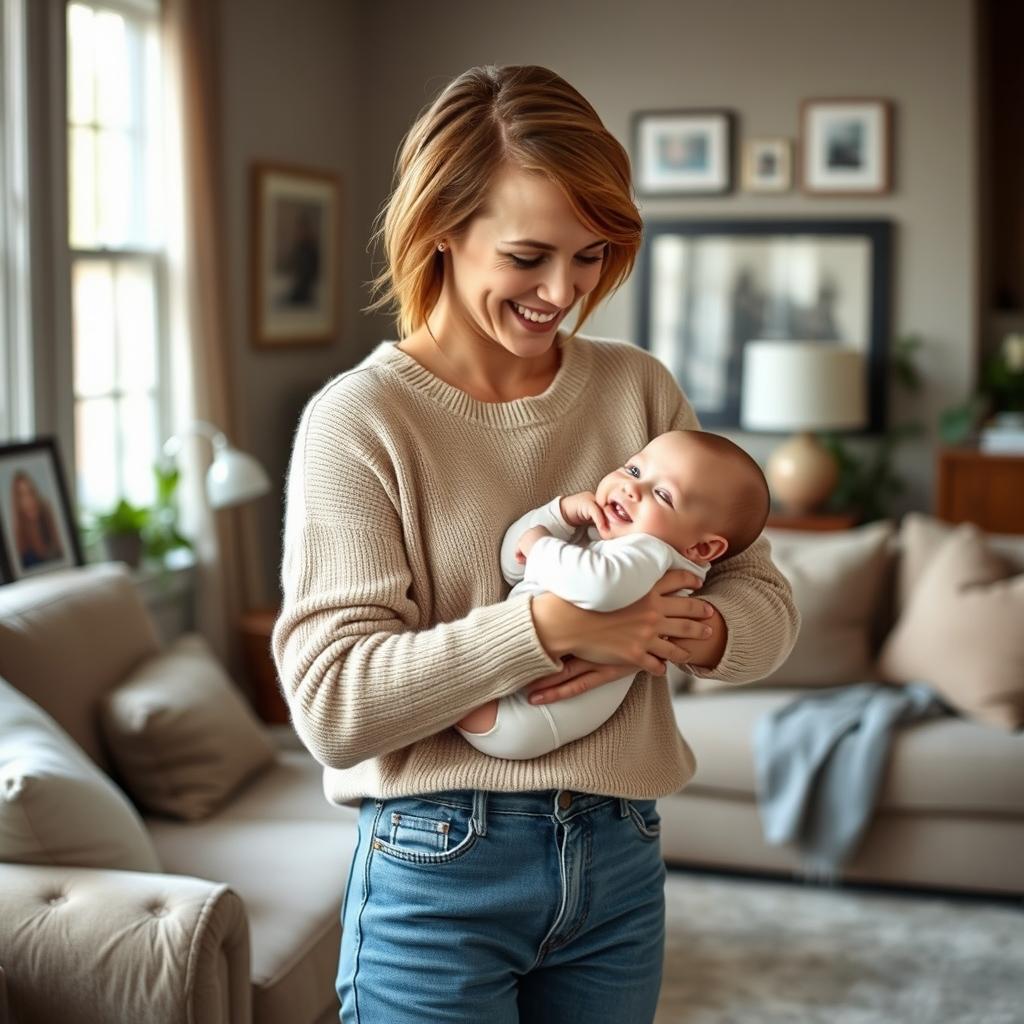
56	806
180	733
838	580
961	631
67	637
921	535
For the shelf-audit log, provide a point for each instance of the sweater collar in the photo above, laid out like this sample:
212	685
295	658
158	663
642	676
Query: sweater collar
560	395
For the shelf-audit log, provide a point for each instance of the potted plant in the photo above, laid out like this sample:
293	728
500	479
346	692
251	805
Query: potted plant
121	530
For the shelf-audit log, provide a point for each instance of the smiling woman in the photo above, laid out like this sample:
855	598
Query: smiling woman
526	888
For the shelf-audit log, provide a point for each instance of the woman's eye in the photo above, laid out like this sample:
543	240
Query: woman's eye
524	264
590	259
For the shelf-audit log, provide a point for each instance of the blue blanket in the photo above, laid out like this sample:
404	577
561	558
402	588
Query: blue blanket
819	761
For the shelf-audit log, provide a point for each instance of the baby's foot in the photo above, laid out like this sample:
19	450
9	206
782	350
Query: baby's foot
480	719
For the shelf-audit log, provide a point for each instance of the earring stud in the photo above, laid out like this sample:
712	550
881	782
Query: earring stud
441	247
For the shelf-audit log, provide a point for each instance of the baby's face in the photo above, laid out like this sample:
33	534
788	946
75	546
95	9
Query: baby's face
665	490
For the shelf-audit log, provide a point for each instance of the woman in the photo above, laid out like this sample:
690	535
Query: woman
486	889
35	528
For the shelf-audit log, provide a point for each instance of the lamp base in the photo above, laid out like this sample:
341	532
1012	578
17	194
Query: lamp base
801	474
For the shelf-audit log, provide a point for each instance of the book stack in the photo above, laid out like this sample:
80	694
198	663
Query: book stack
1003	437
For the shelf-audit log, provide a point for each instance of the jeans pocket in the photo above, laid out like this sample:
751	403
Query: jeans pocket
645	818
421	831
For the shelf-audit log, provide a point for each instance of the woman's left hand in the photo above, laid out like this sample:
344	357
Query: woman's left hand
577	676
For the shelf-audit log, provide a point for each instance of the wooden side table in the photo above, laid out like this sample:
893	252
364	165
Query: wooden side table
981	488
255	628
785	521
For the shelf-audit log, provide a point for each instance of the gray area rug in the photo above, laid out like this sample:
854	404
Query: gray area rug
745	951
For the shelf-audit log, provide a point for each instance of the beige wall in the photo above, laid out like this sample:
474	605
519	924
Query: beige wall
337	84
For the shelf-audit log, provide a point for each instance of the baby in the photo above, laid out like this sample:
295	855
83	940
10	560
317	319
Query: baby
688	499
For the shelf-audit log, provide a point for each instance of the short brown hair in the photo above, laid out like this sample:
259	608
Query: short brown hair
487	118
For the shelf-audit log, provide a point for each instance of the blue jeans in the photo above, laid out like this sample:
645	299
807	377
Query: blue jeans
504	908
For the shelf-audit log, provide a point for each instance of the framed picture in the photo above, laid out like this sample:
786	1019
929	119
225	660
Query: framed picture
683	152
295	252
709	287
767	165
846	147
37	527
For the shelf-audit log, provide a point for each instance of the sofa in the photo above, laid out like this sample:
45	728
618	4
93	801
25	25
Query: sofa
950	810
213	892
221	906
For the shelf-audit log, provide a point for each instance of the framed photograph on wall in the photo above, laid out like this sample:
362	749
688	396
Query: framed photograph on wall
708	287
683	152
846	147
767	165
37	525
295	249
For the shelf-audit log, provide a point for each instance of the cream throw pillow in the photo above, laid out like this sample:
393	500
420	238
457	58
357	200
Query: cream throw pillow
961	631
181	734
56	806
838	580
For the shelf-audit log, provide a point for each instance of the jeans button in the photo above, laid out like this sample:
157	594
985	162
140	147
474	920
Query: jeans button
564	800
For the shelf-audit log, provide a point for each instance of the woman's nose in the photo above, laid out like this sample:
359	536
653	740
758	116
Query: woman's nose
557	287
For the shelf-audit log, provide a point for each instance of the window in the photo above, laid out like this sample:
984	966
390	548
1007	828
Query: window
16	413
116	244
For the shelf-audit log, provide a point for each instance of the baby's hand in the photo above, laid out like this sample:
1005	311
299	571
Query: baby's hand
527	541
581	508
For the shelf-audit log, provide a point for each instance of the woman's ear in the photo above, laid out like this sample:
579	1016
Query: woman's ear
707	550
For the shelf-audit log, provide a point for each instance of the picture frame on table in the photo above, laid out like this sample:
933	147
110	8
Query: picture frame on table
295	244
708	287
683	152
38	533
767	165
846	147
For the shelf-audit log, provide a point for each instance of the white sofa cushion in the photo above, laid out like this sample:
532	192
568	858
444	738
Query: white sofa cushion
180	733
961	631
56	806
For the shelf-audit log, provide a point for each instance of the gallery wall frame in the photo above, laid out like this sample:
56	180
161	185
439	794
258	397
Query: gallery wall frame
685	152
38	532
707	287
295	243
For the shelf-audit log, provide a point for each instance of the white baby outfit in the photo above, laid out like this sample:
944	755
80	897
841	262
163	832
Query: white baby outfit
599	575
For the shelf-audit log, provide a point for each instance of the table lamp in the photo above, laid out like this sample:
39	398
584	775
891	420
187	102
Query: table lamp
233	477
802	386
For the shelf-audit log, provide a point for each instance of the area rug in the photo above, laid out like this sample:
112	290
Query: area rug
743	951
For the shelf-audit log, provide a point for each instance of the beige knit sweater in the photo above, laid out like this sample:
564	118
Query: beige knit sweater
394	622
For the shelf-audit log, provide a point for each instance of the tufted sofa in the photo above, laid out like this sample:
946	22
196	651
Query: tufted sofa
237	919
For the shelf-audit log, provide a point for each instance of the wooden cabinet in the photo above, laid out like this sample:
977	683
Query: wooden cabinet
822	523
981	488
255	628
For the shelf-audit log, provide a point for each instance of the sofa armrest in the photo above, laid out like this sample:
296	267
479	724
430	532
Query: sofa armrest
95	946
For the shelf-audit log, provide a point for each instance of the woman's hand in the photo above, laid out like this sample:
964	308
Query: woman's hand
576	677
644	635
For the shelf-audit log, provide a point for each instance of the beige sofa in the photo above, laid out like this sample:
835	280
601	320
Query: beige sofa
950	812
239	919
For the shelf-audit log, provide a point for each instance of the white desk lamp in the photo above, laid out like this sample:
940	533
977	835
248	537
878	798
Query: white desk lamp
803	386
233	477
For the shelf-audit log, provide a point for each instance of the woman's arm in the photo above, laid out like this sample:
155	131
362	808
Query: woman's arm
363	673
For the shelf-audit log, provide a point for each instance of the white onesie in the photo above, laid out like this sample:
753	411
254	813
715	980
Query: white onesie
599	575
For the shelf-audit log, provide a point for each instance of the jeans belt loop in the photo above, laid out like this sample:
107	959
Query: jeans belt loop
623	807
479	817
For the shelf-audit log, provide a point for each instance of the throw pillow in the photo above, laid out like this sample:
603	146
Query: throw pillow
838	580
56	806
920	537
961	632
180	733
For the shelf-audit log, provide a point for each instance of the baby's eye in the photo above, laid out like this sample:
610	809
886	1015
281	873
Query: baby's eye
632	471
665	497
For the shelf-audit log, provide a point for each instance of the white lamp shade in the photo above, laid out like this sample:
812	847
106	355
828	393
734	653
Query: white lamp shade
234	477
802	385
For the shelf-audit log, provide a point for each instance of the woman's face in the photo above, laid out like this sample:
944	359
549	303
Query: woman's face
525	253
25	498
